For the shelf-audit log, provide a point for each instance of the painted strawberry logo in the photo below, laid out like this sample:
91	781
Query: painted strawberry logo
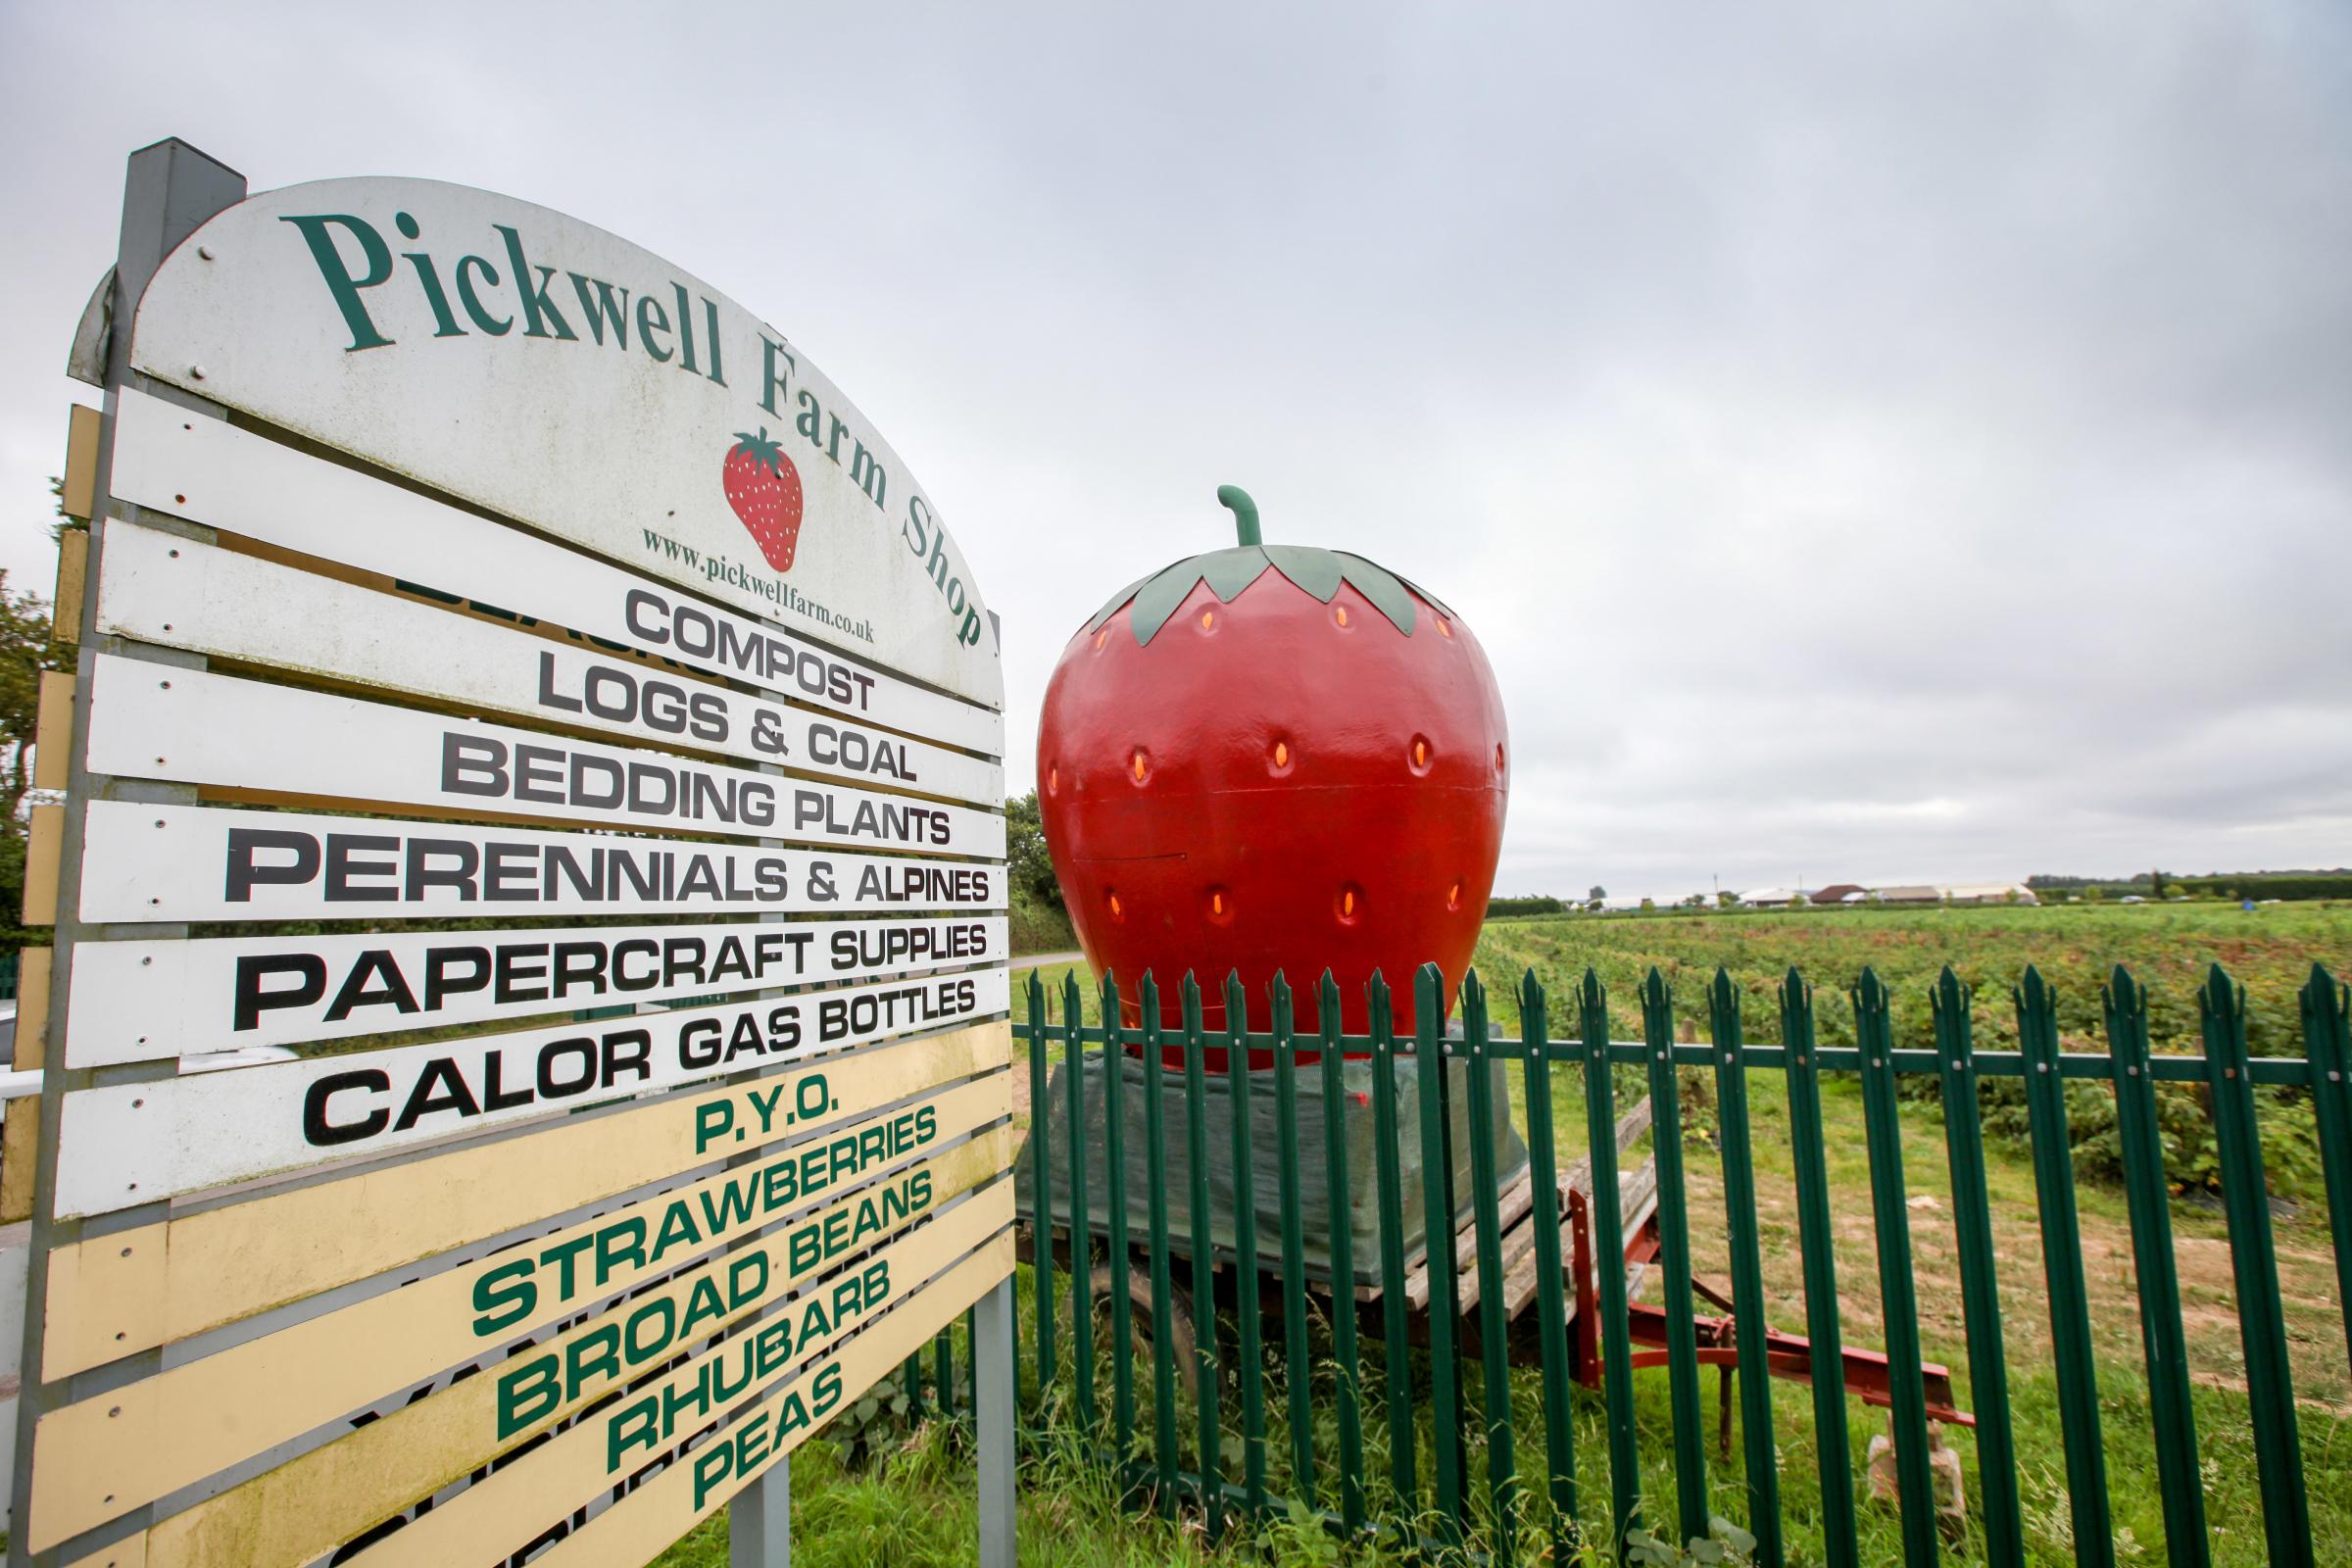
764	489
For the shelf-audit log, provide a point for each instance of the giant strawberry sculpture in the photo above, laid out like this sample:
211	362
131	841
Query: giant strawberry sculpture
1273	757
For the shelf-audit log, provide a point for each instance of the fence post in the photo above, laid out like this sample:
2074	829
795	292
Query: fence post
2261	1321
1816	1243
1349	1372
1979	1281
1041	1125
1493	1327
1898	1290
1674	1258
1156	1156
1438	1242
1245	1245
1552	1315
2327	1043
1204	1272
2062	1270
1122	1254
1297	1378
1758	1449
1082	1224
1396	1354
1608	1219
2150	1201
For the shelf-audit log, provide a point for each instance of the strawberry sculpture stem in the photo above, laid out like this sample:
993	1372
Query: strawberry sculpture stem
1245	512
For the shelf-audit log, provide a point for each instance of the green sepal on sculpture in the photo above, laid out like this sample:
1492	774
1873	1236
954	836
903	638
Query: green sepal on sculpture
1227	573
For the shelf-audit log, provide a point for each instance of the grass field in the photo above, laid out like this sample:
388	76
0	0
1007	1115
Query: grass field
918	1499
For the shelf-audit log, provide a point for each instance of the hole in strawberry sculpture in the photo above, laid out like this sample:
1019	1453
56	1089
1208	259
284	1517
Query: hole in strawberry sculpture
1348	905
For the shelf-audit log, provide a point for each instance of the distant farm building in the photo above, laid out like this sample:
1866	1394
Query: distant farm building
1991	892
1841	893
1910	894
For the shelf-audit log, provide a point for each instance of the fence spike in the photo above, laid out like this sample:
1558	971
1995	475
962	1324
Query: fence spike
2254	1261
1247	1325
1608	1219
1121	1255
1874	1033
1437	1210
1674	1255
2062	1271
2149	1200
1163	1289
2326	1007
1082	1219
1979	1280
1816	1242
1753	1326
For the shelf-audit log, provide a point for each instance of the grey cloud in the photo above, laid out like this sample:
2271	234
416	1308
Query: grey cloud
1894	444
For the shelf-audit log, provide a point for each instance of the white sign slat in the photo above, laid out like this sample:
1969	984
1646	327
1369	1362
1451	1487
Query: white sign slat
152	722
177	862
210	472
160	588
153	1000
123	1144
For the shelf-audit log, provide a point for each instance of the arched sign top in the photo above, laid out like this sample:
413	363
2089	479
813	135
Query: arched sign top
540	368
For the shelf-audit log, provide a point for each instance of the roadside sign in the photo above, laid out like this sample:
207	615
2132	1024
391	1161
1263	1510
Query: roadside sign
516	688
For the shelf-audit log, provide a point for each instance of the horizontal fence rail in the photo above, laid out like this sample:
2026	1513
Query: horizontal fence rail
1359	1280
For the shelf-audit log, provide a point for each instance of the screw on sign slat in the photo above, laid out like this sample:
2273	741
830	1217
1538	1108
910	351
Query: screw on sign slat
1204	1264
1349	1374
1494	1326
1898	1289
1747	1270
2062	1273
1809	1153
1040	1124
1674	1258
1114	1168
1608	1221
1404	1500
2328	1041
1979	1282
2125	1002
1082	1225
1445	1289
1164	1355
1297	1378
1551	1304
1245	1245
2261	1321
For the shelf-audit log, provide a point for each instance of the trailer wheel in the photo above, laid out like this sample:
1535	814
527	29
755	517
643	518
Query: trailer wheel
1139	1297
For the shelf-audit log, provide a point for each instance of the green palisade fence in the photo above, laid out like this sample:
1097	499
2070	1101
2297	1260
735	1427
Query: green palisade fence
1322	1356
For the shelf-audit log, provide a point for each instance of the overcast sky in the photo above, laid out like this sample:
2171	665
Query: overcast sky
1878	444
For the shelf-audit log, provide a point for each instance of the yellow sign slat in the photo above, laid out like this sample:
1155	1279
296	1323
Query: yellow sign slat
155	1284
